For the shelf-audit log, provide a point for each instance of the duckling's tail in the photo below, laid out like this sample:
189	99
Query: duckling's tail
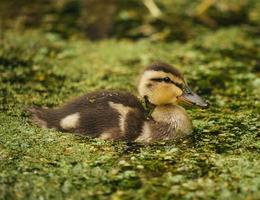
38	116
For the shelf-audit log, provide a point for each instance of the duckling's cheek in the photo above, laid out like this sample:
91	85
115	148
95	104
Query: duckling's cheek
176	91
162	95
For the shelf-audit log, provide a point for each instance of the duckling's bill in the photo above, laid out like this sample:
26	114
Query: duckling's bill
191	98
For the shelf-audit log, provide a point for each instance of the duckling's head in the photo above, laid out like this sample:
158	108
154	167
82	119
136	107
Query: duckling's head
162	84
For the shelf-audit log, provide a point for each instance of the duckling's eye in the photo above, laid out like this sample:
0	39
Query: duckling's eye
167	80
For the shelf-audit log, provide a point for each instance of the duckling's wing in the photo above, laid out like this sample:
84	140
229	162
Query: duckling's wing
106	114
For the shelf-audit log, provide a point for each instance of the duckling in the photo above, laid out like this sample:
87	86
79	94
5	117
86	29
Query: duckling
120	115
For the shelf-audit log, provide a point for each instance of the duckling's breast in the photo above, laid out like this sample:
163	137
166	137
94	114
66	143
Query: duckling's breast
169	122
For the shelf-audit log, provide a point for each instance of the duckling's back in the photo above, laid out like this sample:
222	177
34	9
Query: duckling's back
107	115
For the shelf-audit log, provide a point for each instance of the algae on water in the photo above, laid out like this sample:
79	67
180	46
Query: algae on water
220	161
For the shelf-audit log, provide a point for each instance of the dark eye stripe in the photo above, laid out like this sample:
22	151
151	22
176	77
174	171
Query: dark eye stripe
157	79
168	80
178	85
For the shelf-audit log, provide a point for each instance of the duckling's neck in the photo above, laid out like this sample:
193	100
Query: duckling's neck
168	122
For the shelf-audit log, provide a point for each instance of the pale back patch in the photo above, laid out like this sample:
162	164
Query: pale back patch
71	121
123	111
105	136
146	134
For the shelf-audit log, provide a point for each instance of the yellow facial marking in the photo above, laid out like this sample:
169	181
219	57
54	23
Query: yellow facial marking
165	94
160	92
